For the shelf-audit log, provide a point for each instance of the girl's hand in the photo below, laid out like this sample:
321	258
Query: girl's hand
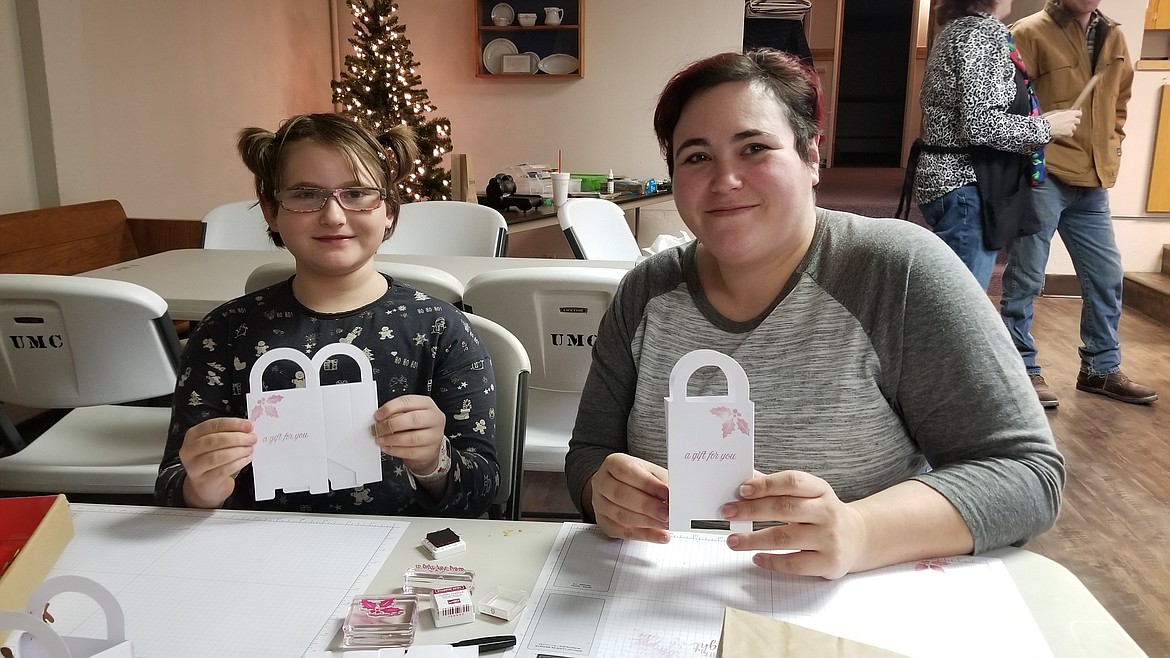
410	427
212	454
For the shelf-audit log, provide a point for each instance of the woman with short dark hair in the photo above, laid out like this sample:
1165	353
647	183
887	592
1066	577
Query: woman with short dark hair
892	419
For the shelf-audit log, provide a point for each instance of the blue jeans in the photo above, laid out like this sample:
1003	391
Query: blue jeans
1081	215
957	218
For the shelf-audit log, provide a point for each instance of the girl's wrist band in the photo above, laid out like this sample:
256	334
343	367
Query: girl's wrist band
441	470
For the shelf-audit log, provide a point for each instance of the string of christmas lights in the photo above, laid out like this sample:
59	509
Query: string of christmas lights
381	88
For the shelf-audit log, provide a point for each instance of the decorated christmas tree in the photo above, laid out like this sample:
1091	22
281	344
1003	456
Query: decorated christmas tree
380	89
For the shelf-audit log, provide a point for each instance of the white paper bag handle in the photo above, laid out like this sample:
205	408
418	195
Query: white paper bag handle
680	374
358	355
115	618
44	633
256	377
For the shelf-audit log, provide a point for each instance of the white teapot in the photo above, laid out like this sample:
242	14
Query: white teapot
553	15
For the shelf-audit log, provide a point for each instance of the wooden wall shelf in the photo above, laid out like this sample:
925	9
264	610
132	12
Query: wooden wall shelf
542	41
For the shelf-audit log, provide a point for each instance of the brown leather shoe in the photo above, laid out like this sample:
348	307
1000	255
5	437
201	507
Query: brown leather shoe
1116	386
1047	396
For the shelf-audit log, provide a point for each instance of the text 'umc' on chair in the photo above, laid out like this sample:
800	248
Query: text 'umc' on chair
84	344
555	312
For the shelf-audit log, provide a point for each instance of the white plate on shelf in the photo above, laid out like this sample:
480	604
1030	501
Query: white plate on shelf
496	49
558	64
503	11
535	60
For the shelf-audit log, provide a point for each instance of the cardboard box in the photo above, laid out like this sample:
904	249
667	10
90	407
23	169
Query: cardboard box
34	531
462	178
452	605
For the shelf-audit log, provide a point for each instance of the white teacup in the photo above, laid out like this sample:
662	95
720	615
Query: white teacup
527	20
501	21
553	15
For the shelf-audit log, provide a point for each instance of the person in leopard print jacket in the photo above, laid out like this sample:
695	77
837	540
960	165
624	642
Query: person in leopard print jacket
969	86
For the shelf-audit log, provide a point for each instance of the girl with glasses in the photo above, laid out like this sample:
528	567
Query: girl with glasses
328	191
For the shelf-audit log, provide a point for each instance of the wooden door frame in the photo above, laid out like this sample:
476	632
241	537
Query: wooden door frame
912	112
911	117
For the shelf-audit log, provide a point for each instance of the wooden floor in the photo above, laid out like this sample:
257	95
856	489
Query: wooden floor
1114	530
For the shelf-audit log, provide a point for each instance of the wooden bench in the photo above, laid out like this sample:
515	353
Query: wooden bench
85	236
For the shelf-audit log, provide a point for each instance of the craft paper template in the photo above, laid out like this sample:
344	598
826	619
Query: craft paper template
316	437
710	441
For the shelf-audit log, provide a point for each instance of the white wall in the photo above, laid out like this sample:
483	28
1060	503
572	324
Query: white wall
598	122
144	97
17	181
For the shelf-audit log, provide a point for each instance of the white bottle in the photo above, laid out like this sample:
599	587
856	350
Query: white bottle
609	182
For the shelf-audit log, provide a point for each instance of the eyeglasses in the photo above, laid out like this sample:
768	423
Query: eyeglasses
312	199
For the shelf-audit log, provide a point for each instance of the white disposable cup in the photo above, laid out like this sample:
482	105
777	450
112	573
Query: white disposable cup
560	185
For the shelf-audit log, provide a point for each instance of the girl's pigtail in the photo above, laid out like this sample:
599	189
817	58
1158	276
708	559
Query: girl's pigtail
401	146
257	150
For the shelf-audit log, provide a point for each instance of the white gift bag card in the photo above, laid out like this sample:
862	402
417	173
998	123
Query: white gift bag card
710	442
317	437
39	640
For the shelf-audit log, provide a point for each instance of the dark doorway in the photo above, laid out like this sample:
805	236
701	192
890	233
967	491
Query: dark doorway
871	88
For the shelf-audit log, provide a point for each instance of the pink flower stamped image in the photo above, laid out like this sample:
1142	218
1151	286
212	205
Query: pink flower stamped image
265	407
379	607
933	565
732	421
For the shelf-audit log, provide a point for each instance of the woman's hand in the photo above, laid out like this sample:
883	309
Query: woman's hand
827	537
212	454
629	497
1063	122
410	427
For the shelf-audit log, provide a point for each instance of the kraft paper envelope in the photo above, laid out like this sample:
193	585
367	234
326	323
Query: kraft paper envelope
709	442
316	437
746	634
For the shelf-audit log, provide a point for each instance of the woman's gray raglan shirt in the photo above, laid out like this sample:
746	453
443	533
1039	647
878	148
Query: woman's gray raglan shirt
881	356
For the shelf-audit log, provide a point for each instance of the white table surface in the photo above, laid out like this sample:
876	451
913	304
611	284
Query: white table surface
512	553
195	281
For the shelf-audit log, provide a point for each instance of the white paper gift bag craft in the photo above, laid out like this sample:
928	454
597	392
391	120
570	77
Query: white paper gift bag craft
710	441
37	638
315	437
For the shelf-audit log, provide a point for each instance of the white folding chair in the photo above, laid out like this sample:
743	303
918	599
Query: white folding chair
236	225
511	367
555	312
448	228
430	280
70	342
597	230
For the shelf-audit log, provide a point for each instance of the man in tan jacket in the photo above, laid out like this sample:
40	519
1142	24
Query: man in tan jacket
1064	46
